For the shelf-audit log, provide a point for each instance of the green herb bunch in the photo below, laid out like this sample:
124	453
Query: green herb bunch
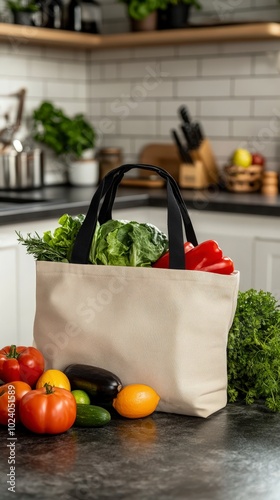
56	246
254	350
22	6
62	134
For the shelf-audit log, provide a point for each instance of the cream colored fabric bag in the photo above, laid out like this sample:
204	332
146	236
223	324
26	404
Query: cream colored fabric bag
167	328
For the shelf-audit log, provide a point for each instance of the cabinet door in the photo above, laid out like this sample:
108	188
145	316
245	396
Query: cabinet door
9	299
17	283
267	266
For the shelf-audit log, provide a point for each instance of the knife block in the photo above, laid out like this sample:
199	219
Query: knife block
193	176
205	154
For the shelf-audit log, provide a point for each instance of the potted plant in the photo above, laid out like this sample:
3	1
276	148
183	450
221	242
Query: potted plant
23	10
143	13
174	14
72	139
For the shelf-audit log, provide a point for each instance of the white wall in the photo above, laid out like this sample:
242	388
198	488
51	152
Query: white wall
132	95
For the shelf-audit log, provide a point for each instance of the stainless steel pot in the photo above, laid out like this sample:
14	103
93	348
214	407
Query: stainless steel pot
23	170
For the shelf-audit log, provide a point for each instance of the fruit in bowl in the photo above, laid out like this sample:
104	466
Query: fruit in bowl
258	159
241	158
244	171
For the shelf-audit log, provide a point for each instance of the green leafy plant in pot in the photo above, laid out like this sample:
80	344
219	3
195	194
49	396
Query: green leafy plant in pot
143	13
23	11
174	14
71	139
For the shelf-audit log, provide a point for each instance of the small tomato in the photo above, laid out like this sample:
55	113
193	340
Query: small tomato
49	410
11	394
55	378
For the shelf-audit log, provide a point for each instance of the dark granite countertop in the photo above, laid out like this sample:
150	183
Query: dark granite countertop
232	455
53	201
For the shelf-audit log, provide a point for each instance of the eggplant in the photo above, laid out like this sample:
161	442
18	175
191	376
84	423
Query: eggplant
101	385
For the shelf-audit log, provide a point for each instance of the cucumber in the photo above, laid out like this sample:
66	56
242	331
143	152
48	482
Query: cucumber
91	416
101	385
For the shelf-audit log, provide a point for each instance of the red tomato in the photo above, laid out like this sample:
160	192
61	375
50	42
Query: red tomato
49	410
21	363
10	396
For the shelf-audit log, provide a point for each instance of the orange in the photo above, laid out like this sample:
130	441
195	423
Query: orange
136	401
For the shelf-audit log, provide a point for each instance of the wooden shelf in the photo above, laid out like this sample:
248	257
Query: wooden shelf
67	39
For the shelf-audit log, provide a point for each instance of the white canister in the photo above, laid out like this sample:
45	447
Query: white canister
83	172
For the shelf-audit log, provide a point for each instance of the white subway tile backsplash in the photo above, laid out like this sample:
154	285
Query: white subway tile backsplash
132	95
22	48
80	90
267	64
257	86
72	107
72	55
166	125
41	68
94	109
111	55
246	128
94	72
199	50
109	90
35	88
203	87
105	126
139	69
13	65
60	90
119	142
266	107
151	87
212	128
170	107
109	71
226	66
179	67
72	71
216	128
225	107
130	107
138	127
157	52
4	48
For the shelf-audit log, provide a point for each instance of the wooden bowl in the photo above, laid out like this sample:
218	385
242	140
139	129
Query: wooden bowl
243	180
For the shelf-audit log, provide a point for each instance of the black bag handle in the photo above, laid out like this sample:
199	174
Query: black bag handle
107	206
107	188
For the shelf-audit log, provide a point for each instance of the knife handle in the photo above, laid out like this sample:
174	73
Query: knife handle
183	112
185	156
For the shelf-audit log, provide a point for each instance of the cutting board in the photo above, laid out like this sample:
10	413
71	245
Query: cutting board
159	155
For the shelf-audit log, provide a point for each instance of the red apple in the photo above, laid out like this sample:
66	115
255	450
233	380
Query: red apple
258	159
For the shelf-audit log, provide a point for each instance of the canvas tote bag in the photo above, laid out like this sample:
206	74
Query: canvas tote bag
167	328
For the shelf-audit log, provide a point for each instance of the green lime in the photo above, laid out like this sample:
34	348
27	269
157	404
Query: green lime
82	398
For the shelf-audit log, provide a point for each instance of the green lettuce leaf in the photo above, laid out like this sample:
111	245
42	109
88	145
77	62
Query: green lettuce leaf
123	243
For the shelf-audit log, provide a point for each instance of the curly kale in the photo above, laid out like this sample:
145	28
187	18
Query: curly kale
254	350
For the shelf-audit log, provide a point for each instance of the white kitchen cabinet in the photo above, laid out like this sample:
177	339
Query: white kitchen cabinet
267	266
17	278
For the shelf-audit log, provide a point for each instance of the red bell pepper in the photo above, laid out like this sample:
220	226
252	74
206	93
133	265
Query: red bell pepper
21	363
207	256
163	261
223	266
